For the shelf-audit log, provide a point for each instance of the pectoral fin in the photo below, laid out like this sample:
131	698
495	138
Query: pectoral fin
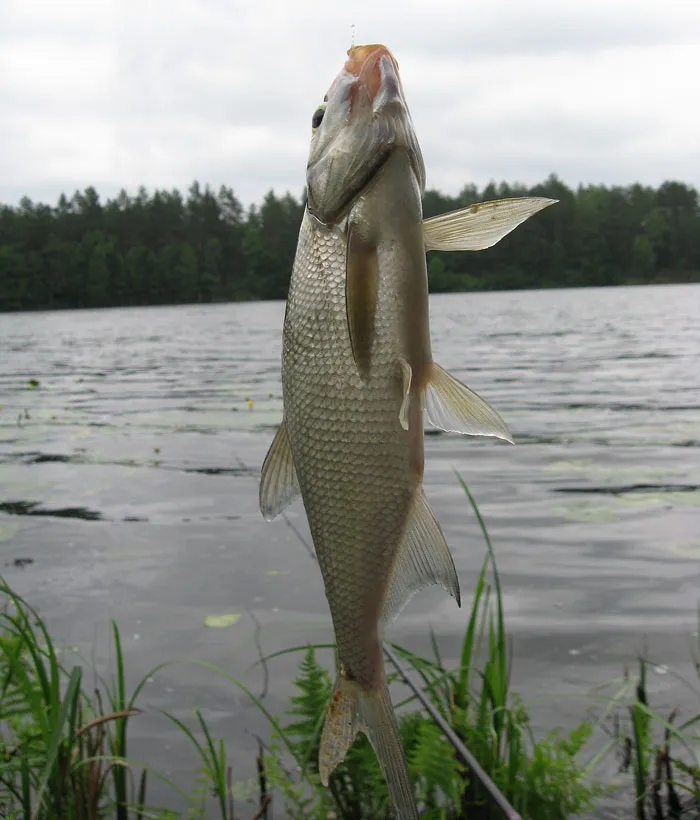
480	225
423	559
361	297
406	375
455	408
278	481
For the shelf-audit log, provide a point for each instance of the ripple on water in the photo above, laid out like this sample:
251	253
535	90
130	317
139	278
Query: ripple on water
129	476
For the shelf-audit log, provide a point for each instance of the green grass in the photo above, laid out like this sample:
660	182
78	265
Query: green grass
52	739
542	779
662	753
64	751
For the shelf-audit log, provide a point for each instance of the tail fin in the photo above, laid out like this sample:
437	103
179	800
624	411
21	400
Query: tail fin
354	709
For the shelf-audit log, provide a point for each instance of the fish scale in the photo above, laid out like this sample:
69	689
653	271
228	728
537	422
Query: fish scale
357	372
363	486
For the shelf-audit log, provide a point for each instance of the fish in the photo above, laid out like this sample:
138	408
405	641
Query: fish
357	377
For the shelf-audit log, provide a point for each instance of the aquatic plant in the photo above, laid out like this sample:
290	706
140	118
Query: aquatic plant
542	779
64	750
662	753
61	754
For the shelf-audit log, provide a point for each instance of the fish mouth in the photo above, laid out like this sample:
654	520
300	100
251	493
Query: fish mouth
376	70
372	122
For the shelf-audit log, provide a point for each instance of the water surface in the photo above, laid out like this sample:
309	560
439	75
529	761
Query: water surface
128	478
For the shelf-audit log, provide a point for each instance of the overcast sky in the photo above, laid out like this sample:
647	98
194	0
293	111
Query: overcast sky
122	93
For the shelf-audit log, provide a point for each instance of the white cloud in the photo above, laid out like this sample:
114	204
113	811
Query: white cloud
124	92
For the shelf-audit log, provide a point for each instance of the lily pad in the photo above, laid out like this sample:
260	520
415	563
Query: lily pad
586	511
690	548
231	619
569	465
685	498
587	468
7	531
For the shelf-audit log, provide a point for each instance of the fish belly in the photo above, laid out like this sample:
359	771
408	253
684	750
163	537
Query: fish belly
352	457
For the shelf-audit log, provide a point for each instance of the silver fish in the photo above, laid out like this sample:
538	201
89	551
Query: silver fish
357	374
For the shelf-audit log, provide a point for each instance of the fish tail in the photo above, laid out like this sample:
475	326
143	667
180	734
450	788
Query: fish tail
354	709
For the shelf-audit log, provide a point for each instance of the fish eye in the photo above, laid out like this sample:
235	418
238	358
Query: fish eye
317	118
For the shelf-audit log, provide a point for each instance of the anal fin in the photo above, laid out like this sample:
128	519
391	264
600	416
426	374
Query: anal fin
423	559
278	481
453	407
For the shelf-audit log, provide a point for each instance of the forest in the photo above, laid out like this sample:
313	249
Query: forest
168	248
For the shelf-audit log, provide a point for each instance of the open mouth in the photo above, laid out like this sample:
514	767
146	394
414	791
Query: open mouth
374	67
376	123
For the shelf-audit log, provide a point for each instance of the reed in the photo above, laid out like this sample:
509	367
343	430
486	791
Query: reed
64	752
541	779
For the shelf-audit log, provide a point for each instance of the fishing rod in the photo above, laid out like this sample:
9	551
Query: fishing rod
460	747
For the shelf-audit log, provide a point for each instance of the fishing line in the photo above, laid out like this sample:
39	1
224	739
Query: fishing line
489	786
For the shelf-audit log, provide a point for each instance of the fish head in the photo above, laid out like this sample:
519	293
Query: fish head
362	121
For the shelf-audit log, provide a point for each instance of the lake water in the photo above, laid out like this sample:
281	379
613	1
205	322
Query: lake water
126	477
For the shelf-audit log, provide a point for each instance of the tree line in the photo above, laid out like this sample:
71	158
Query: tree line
166	248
